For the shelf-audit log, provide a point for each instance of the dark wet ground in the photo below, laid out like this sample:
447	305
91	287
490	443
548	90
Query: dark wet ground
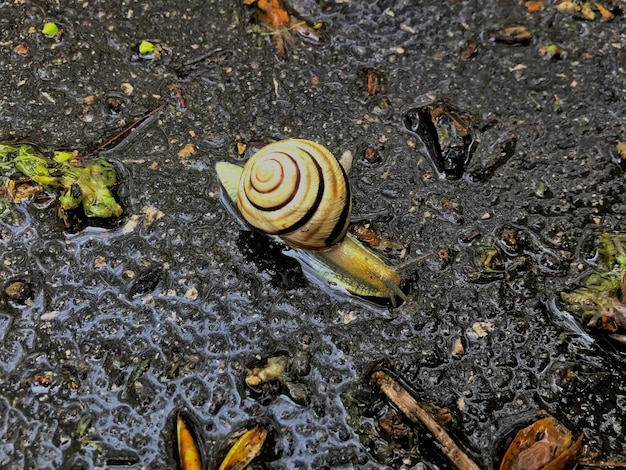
91	375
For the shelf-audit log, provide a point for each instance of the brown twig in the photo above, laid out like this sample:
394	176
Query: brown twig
213	57
113	140
407	404
209	57
602	463
179	94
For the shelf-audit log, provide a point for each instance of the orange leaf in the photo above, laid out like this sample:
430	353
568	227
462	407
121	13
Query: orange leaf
533	6
606	14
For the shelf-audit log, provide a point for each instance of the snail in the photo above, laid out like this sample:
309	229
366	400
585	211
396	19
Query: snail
297	192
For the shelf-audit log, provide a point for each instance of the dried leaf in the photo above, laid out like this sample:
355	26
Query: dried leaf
470	51
187	448
247	447
533	7
281	26
606	14
365	234
187	150
373	82
545	444
513	35
274	370
18	191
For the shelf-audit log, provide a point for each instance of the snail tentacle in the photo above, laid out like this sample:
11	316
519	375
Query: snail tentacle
406	265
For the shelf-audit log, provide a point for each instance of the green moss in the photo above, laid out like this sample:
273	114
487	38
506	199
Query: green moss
599	300
79	184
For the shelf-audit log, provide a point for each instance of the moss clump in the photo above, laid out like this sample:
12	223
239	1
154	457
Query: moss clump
79	184
599	301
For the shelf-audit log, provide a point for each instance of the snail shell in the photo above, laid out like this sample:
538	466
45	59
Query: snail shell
296	189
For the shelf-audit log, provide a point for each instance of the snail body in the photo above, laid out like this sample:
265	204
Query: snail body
297	192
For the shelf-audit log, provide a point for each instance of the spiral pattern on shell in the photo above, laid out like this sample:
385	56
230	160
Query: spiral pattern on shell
296	189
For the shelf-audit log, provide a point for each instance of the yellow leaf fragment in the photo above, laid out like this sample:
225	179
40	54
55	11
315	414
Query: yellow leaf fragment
587	13
187	150
621	149
187	448
606	14
273	371
533	7
241	148
583	11
151	215
247	447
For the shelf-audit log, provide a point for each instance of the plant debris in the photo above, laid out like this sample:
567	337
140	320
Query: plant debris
188	453
580	9
513	252
274	370
19	291
245	449
150	50
146	281
366	234
512	35
281	26
284	370
545	444
447	134
25	174
374	80
533	6
599	302
412	410
52	30
551	51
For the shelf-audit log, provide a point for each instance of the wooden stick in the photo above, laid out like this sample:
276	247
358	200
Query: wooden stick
113	140
407	404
